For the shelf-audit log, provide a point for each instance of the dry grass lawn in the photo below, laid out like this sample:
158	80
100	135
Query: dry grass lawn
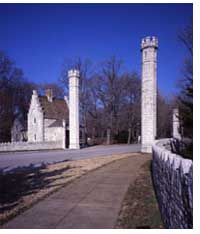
140	208
26	186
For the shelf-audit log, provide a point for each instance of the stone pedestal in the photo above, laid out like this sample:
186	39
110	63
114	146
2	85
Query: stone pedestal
149	46
74	109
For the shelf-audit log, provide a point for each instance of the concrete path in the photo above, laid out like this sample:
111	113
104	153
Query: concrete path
13	160
93	201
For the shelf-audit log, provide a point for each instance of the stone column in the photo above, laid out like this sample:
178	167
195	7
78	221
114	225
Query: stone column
176	124
149	46
74	109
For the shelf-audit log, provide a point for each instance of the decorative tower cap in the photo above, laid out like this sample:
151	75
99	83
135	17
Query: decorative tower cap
176	110
73	73
149	42
35	92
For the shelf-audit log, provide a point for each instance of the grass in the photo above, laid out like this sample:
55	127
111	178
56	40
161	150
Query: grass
25	186
139	209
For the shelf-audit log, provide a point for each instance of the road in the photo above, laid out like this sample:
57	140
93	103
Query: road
10	161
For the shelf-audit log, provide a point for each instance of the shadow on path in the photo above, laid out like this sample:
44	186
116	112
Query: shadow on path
24	181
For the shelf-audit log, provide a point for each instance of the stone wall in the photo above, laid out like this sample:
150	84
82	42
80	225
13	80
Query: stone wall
23	146
173	182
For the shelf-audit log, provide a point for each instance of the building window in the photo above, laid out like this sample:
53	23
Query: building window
35	137
145	54
34	120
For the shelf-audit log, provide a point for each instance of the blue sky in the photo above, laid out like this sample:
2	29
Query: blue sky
39	37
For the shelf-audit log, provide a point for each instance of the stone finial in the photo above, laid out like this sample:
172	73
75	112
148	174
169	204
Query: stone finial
35	92
176	124
175	114
149	42
73	73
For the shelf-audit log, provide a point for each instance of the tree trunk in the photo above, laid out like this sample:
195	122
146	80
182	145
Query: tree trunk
108	136
84	136
102	136
129	136
93	135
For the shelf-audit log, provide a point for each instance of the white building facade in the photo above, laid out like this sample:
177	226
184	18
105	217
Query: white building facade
47	118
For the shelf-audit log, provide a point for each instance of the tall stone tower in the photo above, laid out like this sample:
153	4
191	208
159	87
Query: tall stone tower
149	46
74	109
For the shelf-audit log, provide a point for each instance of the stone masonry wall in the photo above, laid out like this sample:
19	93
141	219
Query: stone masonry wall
173	182
23	146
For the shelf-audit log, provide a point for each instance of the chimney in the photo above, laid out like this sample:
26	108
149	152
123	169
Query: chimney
49	94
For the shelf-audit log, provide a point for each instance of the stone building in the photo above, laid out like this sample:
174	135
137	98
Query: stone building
48	118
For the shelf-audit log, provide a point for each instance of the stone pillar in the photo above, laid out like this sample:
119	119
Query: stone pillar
74	109
176	124
149	46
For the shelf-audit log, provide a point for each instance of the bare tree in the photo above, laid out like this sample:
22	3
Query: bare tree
164	116
185	96
109	86
186	83
109	100
15	93
131	108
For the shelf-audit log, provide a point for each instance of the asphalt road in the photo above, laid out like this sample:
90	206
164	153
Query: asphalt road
10	161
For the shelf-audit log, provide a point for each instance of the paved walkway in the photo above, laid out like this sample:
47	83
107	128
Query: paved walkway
13	160
93	201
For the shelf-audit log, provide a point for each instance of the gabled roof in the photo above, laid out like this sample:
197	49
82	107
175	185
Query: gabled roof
57	109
